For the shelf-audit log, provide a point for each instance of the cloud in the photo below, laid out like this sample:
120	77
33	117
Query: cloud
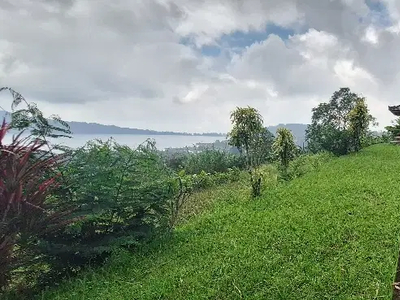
207	20
143	64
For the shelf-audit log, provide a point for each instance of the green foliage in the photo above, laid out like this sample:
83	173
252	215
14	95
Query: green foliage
32	118
394	129
249	136
247	127
123	194
211	161
307	163
331	234
330	129
284	148
183	188
359	120
270	176
205	180
126	195
189	185
375	138
26	214
261	151
175	161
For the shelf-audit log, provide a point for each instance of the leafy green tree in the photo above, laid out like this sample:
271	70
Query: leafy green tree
31	118
359	119
248	135
330	127
284	147
247	126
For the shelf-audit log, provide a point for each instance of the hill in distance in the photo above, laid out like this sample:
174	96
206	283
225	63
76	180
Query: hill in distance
96	128
298	130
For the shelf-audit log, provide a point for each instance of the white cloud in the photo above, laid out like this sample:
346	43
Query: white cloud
371	35
207	20
123	62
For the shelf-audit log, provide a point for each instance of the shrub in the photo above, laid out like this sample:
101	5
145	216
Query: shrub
373	139
203	180
269	176
284	148
207	160
26	213
212	161
123	194
182	187
176	160
307	163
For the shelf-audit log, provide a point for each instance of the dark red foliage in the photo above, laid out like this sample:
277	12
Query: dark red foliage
24	191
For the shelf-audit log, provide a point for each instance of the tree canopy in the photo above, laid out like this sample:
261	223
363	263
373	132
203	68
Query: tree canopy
339	125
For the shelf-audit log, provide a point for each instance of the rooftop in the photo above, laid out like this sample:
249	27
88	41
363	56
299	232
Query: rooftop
395	110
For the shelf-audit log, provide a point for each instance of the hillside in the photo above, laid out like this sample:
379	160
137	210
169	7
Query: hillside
331	234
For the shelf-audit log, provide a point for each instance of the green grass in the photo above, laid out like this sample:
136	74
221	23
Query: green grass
330	234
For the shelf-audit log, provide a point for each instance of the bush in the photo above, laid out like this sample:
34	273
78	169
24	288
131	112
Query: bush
284	148
176	160
26	180
208	160
373	139
269	176
124	195
204	180
307	163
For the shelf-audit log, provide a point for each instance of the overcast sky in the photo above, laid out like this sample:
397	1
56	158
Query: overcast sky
184	65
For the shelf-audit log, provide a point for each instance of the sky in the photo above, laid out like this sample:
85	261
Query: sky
184	65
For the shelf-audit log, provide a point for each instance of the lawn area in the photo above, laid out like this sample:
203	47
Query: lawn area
331	234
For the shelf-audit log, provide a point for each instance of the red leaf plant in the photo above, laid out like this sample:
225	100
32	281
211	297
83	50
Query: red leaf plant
24	190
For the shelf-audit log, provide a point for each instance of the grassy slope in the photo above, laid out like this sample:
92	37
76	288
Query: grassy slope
332	234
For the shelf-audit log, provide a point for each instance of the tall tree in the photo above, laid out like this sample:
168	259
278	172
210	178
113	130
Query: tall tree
330	126
247	126
246	134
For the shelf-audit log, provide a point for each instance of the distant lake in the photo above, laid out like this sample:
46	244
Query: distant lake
133	140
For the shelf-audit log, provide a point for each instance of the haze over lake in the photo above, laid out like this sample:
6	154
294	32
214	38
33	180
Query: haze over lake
132	140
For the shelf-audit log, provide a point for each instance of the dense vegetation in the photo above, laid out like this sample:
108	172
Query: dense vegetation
86	204
330	234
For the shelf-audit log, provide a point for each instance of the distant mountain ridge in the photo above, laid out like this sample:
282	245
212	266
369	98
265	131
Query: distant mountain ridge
298	130
96	128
